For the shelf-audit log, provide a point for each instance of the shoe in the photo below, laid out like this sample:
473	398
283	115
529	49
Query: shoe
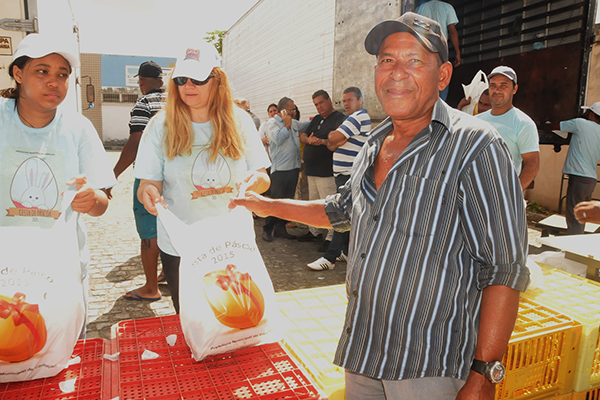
136	297
283	235
267	237
342	258
324	246
321	264
162	278
309	237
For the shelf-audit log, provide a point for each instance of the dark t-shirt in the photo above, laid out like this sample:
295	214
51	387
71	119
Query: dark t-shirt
318	160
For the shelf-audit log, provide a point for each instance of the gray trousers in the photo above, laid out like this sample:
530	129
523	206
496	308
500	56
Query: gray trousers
361	387
580	189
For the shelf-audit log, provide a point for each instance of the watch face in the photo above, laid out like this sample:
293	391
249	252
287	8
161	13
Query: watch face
497	372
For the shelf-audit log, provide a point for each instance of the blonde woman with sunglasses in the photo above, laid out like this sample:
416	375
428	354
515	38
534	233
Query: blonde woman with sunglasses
195	153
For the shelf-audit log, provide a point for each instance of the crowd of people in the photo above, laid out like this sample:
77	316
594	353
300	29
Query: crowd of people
427	208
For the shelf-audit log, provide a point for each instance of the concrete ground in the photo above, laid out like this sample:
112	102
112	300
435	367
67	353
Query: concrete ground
116	265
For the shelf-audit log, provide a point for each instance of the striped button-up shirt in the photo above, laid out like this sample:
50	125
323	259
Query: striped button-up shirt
448	221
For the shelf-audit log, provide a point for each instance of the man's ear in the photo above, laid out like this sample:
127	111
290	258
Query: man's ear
445	75
515	89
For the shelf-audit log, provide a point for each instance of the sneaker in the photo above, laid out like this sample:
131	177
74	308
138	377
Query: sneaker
321	264
342	258
309	237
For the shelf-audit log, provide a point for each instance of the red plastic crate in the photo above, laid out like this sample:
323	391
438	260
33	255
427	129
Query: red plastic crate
89	372
261	372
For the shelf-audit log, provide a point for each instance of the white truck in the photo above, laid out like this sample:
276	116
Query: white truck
18	18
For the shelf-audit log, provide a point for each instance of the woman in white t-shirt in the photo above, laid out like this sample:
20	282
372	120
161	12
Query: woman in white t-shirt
44	148
194	153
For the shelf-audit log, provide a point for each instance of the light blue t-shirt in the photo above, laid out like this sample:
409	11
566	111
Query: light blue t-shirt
36	163
518	131
441	12
193	186
584	149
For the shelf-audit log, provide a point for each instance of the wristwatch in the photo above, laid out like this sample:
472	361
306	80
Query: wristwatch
494	371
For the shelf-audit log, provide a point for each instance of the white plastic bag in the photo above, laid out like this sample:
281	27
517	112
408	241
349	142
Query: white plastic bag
556	259
41	298
226	297
474	90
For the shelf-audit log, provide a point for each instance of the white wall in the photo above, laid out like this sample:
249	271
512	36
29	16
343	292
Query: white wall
281	48
115	121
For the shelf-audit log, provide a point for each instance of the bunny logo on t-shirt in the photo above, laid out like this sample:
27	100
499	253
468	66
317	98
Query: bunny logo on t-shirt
34	190
210	178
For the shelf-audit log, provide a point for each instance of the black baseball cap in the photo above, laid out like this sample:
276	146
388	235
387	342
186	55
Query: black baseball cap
149	69
426	30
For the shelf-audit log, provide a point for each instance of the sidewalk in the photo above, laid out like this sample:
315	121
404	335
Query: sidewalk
116	266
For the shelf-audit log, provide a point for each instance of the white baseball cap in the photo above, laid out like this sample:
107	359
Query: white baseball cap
37	45
506	71
197	62
594	107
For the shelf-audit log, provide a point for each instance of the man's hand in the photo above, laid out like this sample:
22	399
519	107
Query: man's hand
457	60
287	119
253	202
463	103
477	387
313	140
108	193
587	211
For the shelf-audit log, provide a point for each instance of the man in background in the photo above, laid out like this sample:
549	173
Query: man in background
345	142
152	100
318	159
516	128
580	165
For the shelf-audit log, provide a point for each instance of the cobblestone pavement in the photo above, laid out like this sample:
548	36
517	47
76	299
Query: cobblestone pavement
116	265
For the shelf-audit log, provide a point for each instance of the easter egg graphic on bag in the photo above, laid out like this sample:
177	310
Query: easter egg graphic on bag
234	298
22	329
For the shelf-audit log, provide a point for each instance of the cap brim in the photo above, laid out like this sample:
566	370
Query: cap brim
192	69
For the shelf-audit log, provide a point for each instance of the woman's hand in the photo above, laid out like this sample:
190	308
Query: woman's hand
255	181
149	193
87	200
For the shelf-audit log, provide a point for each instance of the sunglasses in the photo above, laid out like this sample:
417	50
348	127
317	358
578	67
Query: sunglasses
182	80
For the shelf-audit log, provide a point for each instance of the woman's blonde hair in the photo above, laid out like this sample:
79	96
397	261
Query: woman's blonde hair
227	138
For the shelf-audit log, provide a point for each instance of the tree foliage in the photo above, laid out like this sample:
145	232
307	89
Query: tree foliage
216	38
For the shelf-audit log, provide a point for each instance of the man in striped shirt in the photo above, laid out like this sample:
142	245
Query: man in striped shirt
152	100
438	235
345	142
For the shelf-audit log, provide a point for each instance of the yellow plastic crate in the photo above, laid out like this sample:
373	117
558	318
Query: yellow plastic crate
539	359
540	355
592	394
579	299
316	320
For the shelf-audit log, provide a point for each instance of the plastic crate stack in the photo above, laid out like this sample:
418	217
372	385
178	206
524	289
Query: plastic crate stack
539	361
578	298
260	372
85	378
